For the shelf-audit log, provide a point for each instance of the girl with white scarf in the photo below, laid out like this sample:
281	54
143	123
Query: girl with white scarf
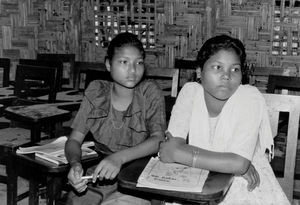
226	126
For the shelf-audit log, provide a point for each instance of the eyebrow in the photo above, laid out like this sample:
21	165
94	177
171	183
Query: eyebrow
223	63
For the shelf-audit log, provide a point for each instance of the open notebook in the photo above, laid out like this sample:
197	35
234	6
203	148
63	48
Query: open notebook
54	151
172	176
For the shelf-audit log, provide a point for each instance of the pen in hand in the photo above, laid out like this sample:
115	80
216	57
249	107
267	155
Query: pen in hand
88	177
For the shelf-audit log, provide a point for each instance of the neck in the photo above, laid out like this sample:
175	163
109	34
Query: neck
214	105
121	97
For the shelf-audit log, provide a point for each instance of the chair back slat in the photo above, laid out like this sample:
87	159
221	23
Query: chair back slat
290	104
44	63
35	81
164	74
289	83
5	65
69	76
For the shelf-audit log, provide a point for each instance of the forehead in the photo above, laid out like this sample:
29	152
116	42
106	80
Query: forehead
127	51
225	54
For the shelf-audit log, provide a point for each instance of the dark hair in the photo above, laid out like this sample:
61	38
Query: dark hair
121	40
217	43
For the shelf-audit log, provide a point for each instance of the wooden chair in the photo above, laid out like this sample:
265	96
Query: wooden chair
69	77
89	71
290	83
5	69
35	81
291	104
168	78
31	81
165	74
187	66
4	82
44	63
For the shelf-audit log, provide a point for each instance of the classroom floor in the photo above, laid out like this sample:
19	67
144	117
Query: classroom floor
22	187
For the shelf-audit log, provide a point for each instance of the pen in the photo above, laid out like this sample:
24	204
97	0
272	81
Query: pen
87	177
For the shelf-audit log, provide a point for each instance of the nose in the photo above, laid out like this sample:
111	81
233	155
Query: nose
132	67
226	75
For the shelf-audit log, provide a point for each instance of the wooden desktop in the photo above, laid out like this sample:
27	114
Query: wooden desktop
214	189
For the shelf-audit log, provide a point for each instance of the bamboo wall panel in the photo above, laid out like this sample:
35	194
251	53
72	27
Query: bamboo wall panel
169	29
269	29
31	26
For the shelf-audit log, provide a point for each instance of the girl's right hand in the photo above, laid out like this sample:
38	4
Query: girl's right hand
74	178
168	148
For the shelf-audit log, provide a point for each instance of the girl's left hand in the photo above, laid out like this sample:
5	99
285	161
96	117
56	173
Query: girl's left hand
168	148
108	168
252	178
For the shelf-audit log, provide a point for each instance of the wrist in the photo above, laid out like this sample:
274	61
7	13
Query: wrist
75	163
195	157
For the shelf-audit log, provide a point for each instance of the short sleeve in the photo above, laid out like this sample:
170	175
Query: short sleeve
79	122
182	110
154	109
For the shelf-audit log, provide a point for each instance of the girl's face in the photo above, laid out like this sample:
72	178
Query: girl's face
126	67
221	75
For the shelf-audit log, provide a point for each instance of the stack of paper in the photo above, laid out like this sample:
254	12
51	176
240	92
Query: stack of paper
54	151
172	176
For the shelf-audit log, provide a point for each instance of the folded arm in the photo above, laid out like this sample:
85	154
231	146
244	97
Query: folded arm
176	150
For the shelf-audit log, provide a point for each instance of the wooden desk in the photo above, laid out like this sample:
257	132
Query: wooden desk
39	171
36	116
66	96
214	190
68	100
7	95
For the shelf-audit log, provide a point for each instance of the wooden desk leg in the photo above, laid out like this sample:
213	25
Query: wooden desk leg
54	185
33	191
12	183
35	134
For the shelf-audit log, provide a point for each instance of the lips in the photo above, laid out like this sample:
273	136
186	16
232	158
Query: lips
131	79
224	87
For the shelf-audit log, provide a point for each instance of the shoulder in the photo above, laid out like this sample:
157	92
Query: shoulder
192	85
192	89
97	88
149	87
250	92
250	88
249	96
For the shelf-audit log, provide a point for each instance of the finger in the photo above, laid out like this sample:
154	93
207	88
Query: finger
257	179
96	172
77	172
168	135
108	174
82	189
159	144
102	173
114	174
252	184
75	182
96	175
80	186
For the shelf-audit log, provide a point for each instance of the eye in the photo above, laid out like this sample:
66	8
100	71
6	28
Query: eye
123	61
140	62
216	67
236	69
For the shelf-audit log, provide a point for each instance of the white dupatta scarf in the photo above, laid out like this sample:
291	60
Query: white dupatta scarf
243	123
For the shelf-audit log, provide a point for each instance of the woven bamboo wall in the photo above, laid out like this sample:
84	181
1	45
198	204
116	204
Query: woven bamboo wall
31	26
169	29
